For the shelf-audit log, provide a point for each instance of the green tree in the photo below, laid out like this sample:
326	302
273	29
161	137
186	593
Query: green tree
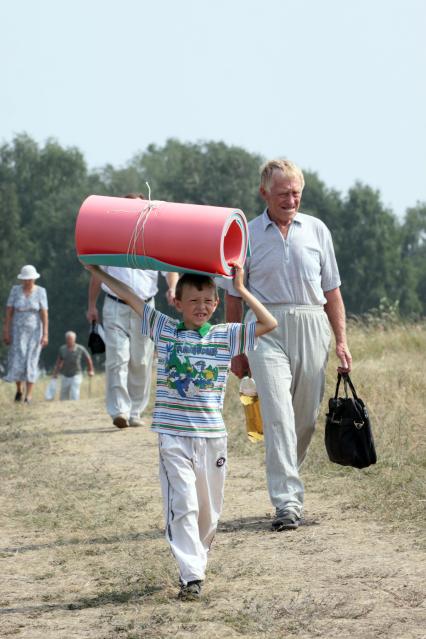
324	203
118	182
369	250
414	258
41	189
13	243
204	173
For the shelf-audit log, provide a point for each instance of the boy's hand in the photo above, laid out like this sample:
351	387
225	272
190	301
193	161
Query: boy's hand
238	276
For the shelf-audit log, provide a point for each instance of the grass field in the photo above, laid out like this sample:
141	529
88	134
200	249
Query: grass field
83	553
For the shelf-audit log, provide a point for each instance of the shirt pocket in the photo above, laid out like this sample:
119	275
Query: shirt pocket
311	264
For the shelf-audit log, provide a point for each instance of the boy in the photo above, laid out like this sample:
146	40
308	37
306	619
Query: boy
193	365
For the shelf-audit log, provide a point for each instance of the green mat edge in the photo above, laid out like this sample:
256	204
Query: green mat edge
140	261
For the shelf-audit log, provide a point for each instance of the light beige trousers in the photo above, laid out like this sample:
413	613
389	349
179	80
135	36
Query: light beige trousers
289	369
128	360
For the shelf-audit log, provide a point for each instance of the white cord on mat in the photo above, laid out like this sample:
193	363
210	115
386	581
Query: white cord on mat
139	231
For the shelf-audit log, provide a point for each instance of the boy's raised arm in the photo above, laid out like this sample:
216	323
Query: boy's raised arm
265	321
122	291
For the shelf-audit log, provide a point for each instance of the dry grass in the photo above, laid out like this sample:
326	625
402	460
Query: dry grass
389	376
83	554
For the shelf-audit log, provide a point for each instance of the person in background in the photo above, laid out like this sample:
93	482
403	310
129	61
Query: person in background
68	364
128	353
25	331
292	269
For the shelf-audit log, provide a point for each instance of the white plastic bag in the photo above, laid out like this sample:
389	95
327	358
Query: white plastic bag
50	391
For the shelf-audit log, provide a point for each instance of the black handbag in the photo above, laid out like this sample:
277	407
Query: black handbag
348	435
96	344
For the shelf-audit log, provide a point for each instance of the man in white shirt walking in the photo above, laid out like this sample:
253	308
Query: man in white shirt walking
128	353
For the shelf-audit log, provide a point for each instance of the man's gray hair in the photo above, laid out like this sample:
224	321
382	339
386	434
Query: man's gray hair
287	167
70	334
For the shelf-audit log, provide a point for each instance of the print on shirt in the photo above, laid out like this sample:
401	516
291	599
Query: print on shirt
188	376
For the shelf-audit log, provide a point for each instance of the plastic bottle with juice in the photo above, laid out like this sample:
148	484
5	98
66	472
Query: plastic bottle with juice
250	401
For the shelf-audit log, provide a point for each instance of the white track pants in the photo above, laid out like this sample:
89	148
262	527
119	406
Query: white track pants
192	474
128	360
70	386
289	369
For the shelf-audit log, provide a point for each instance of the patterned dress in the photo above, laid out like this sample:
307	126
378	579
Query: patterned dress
24	351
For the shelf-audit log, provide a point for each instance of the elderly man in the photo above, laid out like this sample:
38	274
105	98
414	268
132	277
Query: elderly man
68	364
292	270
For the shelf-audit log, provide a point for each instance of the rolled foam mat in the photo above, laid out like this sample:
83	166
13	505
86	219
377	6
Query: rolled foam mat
162	236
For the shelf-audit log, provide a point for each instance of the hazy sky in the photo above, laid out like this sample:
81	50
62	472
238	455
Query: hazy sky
339	86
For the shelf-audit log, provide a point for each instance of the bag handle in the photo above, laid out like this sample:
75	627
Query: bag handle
346	381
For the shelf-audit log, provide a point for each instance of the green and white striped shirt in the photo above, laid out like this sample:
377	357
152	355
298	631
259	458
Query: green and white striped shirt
193	367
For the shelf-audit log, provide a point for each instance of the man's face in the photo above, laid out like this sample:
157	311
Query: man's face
283	197
196	306
70	341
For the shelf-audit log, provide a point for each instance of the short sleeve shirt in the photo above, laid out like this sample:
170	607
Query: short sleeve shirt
293	270
143	282
72	359
193	368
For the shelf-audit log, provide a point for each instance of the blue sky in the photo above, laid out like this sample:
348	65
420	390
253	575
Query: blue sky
336	85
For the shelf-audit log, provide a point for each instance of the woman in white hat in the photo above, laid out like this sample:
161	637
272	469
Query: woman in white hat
26	331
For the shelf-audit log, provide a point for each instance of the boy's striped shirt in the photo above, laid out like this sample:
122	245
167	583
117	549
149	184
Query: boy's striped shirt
193	367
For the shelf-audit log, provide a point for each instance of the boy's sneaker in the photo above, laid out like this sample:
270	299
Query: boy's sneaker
190	592
285	520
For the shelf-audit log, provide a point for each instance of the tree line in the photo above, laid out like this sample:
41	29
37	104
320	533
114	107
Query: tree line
382	259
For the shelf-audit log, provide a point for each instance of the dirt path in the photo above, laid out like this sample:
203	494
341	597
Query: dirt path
82	550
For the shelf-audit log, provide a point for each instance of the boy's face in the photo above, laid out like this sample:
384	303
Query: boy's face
196	306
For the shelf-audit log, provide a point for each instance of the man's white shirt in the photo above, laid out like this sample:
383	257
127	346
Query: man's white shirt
143	282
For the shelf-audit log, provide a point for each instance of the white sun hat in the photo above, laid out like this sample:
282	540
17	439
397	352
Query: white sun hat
28	272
